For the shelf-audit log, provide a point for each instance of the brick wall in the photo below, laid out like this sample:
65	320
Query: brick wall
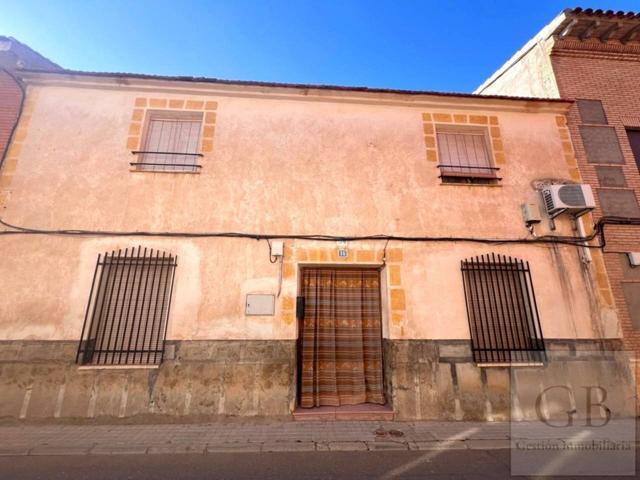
10	96
612	77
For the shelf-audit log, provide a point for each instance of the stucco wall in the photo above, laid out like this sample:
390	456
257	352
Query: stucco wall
529	73
279	164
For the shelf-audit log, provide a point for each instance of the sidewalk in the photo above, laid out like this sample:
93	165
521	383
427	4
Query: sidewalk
247	436
250	436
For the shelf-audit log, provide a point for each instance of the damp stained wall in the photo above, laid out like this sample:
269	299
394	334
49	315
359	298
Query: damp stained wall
281	161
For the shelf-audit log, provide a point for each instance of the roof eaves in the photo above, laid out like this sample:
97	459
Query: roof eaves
337	88
590	12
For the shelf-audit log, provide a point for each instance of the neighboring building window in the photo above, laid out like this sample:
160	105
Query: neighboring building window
502	310
126	318
592	112
634	140
171	142
464	155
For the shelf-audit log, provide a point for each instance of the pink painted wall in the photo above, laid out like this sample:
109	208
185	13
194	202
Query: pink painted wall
284	161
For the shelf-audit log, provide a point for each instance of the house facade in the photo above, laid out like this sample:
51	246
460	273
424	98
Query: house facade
593	56
194	247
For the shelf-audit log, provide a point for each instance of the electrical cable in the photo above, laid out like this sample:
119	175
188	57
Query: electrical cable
272	259
384	254
17	121
280	277
598	232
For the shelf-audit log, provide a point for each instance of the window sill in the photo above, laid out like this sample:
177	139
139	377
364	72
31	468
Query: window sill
136	170
453	184
118	367
510	364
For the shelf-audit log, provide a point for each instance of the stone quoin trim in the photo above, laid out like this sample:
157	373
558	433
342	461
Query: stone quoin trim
139	117
296	256
567	149
489	122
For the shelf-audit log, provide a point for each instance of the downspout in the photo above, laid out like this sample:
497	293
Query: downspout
15	124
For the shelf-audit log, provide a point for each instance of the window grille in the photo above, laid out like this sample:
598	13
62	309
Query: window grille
502	310
464	154
126	318
171	142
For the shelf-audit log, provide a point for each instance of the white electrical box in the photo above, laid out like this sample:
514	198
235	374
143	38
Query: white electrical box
277	248
260	304
634	258
530	213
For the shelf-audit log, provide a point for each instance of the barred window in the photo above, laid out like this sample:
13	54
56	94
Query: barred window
126	317
502	310
171	142
465	156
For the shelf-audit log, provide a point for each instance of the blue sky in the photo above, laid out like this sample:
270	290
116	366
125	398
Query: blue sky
426	45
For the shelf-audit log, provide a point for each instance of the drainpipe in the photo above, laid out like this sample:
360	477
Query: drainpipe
15	124
578	228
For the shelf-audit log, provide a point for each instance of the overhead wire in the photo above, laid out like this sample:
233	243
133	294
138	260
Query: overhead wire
598	232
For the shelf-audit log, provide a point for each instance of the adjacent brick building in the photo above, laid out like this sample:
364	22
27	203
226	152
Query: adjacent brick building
593	56
15	56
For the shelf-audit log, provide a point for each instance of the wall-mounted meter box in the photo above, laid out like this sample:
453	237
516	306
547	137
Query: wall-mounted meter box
260	304
277	248
530	213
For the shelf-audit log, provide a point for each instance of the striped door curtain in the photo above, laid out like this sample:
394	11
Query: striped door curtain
341	338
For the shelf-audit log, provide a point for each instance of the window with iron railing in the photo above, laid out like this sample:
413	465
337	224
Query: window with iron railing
502	310
464	155
171	142
128	309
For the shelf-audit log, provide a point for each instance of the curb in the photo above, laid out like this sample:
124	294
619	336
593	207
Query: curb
256	447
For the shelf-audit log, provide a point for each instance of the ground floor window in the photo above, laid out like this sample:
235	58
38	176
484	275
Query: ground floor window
502	310
126	317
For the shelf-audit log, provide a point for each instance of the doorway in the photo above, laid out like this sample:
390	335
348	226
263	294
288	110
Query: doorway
340	337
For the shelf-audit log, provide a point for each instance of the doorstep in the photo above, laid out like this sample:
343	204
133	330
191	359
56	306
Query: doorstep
364	411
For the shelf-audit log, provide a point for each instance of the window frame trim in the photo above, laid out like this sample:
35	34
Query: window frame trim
480	130
152	114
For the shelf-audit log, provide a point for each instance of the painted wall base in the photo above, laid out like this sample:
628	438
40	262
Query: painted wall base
205	378
424	380
437	380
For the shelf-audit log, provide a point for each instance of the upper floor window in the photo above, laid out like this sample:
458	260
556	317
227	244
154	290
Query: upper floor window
171	142
465	155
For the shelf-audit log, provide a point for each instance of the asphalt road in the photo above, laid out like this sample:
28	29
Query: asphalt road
471	464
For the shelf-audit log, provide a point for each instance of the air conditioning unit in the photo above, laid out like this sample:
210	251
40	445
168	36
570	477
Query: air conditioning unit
574	199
